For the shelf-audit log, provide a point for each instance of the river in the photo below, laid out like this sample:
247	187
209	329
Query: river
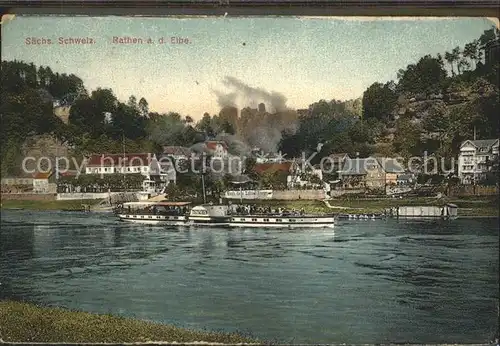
366	281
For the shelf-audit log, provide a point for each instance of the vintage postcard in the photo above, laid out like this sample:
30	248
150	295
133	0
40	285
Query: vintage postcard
249	179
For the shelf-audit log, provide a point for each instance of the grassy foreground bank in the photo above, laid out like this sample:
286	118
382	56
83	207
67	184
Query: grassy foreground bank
467	207
24	322
47	205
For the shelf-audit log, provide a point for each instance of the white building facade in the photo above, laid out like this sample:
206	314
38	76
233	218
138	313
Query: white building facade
476	159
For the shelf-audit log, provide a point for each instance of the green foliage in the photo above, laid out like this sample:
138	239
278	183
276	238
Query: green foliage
171	129
99	122
407	138
379	101
273	180
426	76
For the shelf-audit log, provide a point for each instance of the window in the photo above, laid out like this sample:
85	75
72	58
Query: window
278	220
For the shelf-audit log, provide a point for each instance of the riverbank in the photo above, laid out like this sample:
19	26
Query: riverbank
25	322
47	205
470	207
467	207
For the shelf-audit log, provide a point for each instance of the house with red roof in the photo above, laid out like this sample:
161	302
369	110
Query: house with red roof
146	164
217	148
41	182
177	152
119	163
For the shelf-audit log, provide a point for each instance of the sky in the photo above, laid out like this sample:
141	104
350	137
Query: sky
305	59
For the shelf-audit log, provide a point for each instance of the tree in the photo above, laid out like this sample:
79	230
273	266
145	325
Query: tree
128	122
455	53
471	51
450	59
168	129
407	138
85	117
488	36
205	124
132	102
104	100
463	65
143	107
379	101
427	75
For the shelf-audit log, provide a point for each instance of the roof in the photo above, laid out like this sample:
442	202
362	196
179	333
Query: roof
405	177
481	143
241	179
390	165
176	150
42	175
338	156
212	145
358	166
273	167
116	160
68	173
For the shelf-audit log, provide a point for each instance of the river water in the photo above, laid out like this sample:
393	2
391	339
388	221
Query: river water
367	281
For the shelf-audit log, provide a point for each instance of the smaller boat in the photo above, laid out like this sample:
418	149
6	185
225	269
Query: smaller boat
448	211
360	216
154	212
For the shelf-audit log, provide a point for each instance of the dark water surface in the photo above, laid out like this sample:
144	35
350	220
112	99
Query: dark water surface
363	281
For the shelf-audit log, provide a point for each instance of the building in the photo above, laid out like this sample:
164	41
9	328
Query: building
260	157
162	170
334	162
119	163
41	182
62	112
23	183
406	179
491	52
177	152
362	173
392	169
303	175
476	159
217	148
261	168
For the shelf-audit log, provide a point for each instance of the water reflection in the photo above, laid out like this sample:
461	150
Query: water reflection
410	282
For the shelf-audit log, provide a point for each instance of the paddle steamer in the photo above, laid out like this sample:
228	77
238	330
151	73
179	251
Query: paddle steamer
228	216
155	212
